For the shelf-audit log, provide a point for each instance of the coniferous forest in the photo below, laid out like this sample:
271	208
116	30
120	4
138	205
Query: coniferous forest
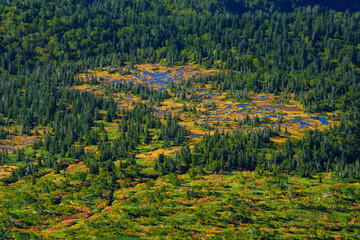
161	119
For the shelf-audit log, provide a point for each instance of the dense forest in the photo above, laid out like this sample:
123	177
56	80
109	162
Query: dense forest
306	51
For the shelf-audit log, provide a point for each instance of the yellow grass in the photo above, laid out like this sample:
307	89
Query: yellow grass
19	141
143	67
155	154
6	170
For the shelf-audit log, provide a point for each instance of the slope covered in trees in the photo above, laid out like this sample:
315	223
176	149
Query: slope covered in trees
90	166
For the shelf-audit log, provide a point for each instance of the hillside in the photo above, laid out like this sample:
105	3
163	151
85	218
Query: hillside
132	119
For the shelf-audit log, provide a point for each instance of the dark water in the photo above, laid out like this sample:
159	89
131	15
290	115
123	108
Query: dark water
245	109
322	120
196	135
209	95
264	98
300	120
132	68
273	116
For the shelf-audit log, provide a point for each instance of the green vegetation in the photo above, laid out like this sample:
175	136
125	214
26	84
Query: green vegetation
93	147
